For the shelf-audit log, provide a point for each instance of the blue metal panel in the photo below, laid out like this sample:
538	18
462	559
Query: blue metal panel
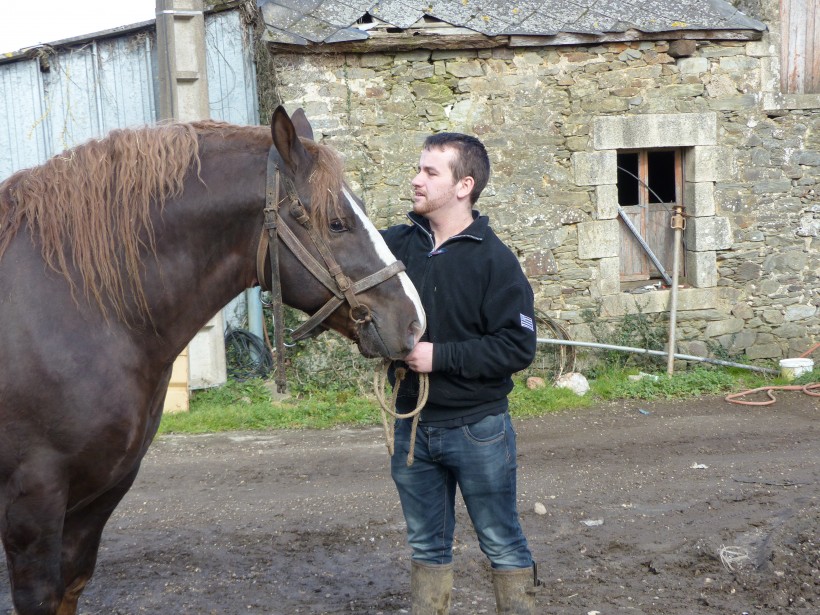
22	114
93	87
126	92
231	72
70	90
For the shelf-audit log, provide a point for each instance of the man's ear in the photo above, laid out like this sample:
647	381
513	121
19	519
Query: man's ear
465	186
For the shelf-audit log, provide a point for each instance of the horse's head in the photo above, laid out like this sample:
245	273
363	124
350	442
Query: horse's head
336	266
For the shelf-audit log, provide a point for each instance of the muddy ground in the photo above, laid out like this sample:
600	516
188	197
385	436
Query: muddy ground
641	500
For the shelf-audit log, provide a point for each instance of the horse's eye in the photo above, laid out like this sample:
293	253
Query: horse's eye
338	226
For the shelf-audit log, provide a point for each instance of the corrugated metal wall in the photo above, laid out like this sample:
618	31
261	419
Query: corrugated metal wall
55	102
52	104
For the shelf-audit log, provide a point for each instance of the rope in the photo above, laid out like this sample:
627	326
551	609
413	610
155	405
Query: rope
379	384
806	388
810	350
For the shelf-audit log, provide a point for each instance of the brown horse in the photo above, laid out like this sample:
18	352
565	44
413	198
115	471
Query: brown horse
112	256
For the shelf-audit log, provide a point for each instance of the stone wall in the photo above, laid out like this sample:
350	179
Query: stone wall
753	174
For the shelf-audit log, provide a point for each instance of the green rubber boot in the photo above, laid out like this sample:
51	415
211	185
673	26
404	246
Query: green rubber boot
515	591
430	587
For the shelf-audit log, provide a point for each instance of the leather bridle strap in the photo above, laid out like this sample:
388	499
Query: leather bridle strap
304	330
306	258
329	274
270	238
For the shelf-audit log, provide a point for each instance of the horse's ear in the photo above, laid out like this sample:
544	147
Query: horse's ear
302	125
286	140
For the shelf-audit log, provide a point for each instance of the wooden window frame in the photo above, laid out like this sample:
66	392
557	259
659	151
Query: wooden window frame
652	221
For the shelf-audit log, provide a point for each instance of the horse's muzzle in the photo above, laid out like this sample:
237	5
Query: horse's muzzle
372	343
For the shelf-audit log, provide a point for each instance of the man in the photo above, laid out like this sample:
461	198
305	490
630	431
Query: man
480	331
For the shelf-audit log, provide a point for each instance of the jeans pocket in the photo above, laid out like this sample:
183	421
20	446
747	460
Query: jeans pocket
488	430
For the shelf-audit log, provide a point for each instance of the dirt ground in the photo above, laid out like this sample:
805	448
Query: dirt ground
641	500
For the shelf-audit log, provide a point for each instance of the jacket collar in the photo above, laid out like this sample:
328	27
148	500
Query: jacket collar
476	231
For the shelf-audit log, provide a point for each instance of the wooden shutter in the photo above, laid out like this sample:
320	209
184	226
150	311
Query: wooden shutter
800	47
649	217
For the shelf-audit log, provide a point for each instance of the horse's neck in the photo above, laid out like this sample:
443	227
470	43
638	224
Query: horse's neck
208	244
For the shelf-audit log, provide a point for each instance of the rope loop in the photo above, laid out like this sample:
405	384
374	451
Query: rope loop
737	398
379	384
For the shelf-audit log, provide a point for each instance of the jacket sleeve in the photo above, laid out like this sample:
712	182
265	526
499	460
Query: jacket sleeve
506	348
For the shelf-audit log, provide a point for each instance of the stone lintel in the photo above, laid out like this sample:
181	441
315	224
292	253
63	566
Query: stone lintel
654	130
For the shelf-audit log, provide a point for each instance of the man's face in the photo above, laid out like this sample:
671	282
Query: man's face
434	187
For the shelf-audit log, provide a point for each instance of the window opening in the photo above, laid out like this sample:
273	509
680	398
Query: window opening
650	183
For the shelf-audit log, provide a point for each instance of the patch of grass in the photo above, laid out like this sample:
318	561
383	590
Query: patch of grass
242	406
248	406
526	402
809	378
682	385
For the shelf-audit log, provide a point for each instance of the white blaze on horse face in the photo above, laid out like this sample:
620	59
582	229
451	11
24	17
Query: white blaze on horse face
388	258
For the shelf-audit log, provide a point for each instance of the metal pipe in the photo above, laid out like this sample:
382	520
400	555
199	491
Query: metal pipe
677	225
256	318
663	353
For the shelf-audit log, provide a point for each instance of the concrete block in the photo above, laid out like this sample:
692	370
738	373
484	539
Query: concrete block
609	277
709	233
598	239
595	168
658	301
701	268
693	66
606	202
710	164
699	199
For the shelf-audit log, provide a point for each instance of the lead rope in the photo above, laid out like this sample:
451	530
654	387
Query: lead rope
379	384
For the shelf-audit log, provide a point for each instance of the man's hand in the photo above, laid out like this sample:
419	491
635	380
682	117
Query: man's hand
420	359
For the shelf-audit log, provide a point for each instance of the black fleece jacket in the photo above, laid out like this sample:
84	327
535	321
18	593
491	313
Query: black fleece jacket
480	319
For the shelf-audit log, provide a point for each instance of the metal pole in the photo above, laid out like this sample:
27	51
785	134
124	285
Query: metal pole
661	353
678	223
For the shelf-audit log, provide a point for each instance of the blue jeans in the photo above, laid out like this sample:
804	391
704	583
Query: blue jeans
479	459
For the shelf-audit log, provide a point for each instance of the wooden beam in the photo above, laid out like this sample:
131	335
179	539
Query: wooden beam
380	42
570	38
453	38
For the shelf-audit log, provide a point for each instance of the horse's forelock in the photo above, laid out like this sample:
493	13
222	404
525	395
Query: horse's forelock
326	183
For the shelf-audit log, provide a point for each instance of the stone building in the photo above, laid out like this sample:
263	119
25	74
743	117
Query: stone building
598	116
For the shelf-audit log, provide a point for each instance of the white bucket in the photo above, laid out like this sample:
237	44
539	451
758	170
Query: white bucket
794	368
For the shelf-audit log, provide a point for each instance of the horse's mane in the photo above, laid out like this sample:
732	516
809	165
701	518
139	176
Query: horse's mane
89	207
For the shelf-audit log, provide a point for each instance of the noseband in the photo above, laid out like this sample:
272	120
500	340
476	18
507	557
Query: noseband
329	273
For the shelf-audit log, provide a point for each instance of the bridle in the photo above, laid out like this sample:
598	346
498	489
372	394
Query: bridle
329	273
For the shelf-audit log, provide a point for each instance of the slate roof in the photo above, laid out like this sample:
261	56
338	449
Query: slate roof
300	22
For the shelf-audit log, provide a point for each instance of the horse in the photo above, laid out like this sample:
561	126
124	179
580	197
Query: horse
113	255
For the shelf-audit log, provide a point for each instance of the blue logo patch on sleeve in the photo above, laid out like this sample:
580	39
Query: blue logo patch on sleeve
527	323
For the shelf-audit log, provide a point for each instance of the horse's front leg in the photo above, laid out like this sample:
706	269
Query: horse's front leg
31	527
83	528
82	532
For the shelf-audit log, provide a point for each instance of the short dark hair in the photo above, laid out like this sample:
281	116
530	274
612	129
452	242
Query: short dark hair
471	159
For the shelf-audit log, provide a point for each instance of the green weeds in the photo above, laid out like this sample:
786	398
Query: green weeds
249	405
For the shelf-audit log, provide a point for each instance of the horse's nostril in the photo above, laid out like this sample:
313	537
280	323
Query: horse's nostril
415	332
